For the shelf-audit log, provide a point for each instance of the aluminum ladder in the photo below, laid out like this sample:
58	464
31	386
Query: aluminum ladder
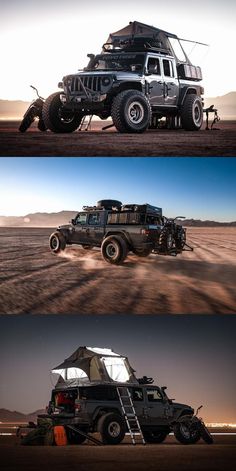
130	415
85	124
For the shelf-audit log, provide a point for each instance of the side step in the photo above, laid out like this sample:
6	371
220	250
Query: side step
130	415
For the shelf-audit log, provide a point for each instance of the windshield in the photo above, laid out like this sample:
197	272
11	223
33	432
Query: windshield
125	62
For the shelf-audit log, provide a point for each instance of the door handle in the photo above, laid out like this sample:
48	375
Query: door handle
160	82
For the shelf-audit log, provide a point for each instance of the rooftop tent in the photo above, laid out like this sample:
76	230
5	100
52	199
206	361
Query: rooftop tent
94	365
140	34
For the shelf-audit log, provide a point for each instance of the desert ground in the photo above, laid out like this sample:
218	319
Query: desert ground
95	142
169	456
78	281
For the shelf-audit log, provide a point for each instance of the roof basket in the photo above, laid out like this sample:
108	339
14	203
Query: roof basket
144	208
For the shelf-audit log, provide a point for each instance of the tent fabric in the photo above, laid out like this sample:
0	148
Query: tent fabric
140	35
138	30
144	36
90	360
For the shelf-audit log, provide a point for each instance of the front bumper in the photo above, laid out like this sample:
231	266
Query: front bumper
80	102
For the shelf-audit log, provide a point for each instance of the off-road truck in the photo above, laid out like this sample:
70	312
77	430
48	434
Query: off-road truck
118	229
97	391
97	409
141	75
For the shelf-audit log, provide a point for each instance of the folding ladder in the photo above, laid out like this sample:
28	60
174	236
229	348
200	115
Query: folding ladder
85	124
130	415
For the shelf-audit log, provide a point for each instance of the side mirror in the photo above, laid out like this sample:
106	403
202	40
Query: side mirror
72	222
91	56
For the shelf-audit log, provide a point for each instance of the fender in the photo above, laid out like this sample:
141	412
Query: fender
123	234
184	415
186	91
100	411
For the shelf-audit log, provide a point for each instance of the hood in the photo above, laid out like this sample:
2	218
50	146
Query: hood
65	226
116	74
178	406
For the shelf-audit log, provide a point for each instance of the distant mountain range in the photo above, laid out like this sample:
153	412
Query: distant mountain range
63	217
10	109
225	104
38	219
14	416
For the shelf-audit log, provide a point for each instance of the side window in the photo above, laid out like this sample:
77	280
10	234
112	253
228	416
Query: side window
167	67
137	394
94	219
154	395
81	218
154	66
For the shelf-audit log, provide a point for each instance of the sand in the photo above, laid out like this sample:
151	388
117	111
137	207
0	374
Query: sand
35	281
169	456
96	142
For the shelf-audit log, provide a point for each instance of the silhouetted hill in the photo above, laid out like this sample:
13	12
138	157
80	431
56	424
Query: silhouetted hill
13	109
63	217
38	219
199	223
225	104
15	416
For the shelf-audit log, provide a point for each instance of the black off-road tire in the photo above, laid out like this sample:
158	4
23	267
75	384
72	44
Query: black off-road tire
108	204
142	252
154	437
131	111
192	113
166	240
53	119
112	428
57	242
41	125
186	433
205	434
49	437
27	120
180	243
114	249
74	438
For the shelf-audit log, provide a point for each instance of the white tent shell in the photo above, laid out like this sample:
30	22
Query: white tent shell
90	365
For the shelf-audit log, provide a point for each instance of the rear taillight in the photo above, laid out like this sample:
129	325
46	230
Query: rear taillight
145	231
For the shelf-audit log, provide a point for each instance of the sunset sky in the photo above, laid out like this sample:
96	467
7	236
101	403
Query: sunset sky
43	40
194	356
200	188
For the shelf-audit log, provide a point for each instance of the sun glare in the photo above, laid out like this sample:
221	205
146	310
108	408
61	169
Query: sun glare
40	51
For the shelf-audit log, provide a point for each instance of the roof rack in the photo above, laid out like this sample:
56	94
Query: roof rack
92	208
136	45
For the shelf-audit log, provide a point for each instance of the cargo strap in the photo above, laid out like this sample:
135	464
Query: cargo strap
130	415
84	434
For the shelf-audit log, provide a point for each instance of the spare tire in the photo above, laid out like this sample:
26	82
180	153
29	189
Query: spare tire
108	204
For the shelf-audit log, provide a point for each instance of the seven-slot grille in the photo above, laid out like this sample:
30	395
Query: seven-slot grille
93	83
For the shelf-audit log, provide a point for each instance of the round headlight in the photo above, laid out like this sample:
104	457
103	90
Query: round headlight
106	81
